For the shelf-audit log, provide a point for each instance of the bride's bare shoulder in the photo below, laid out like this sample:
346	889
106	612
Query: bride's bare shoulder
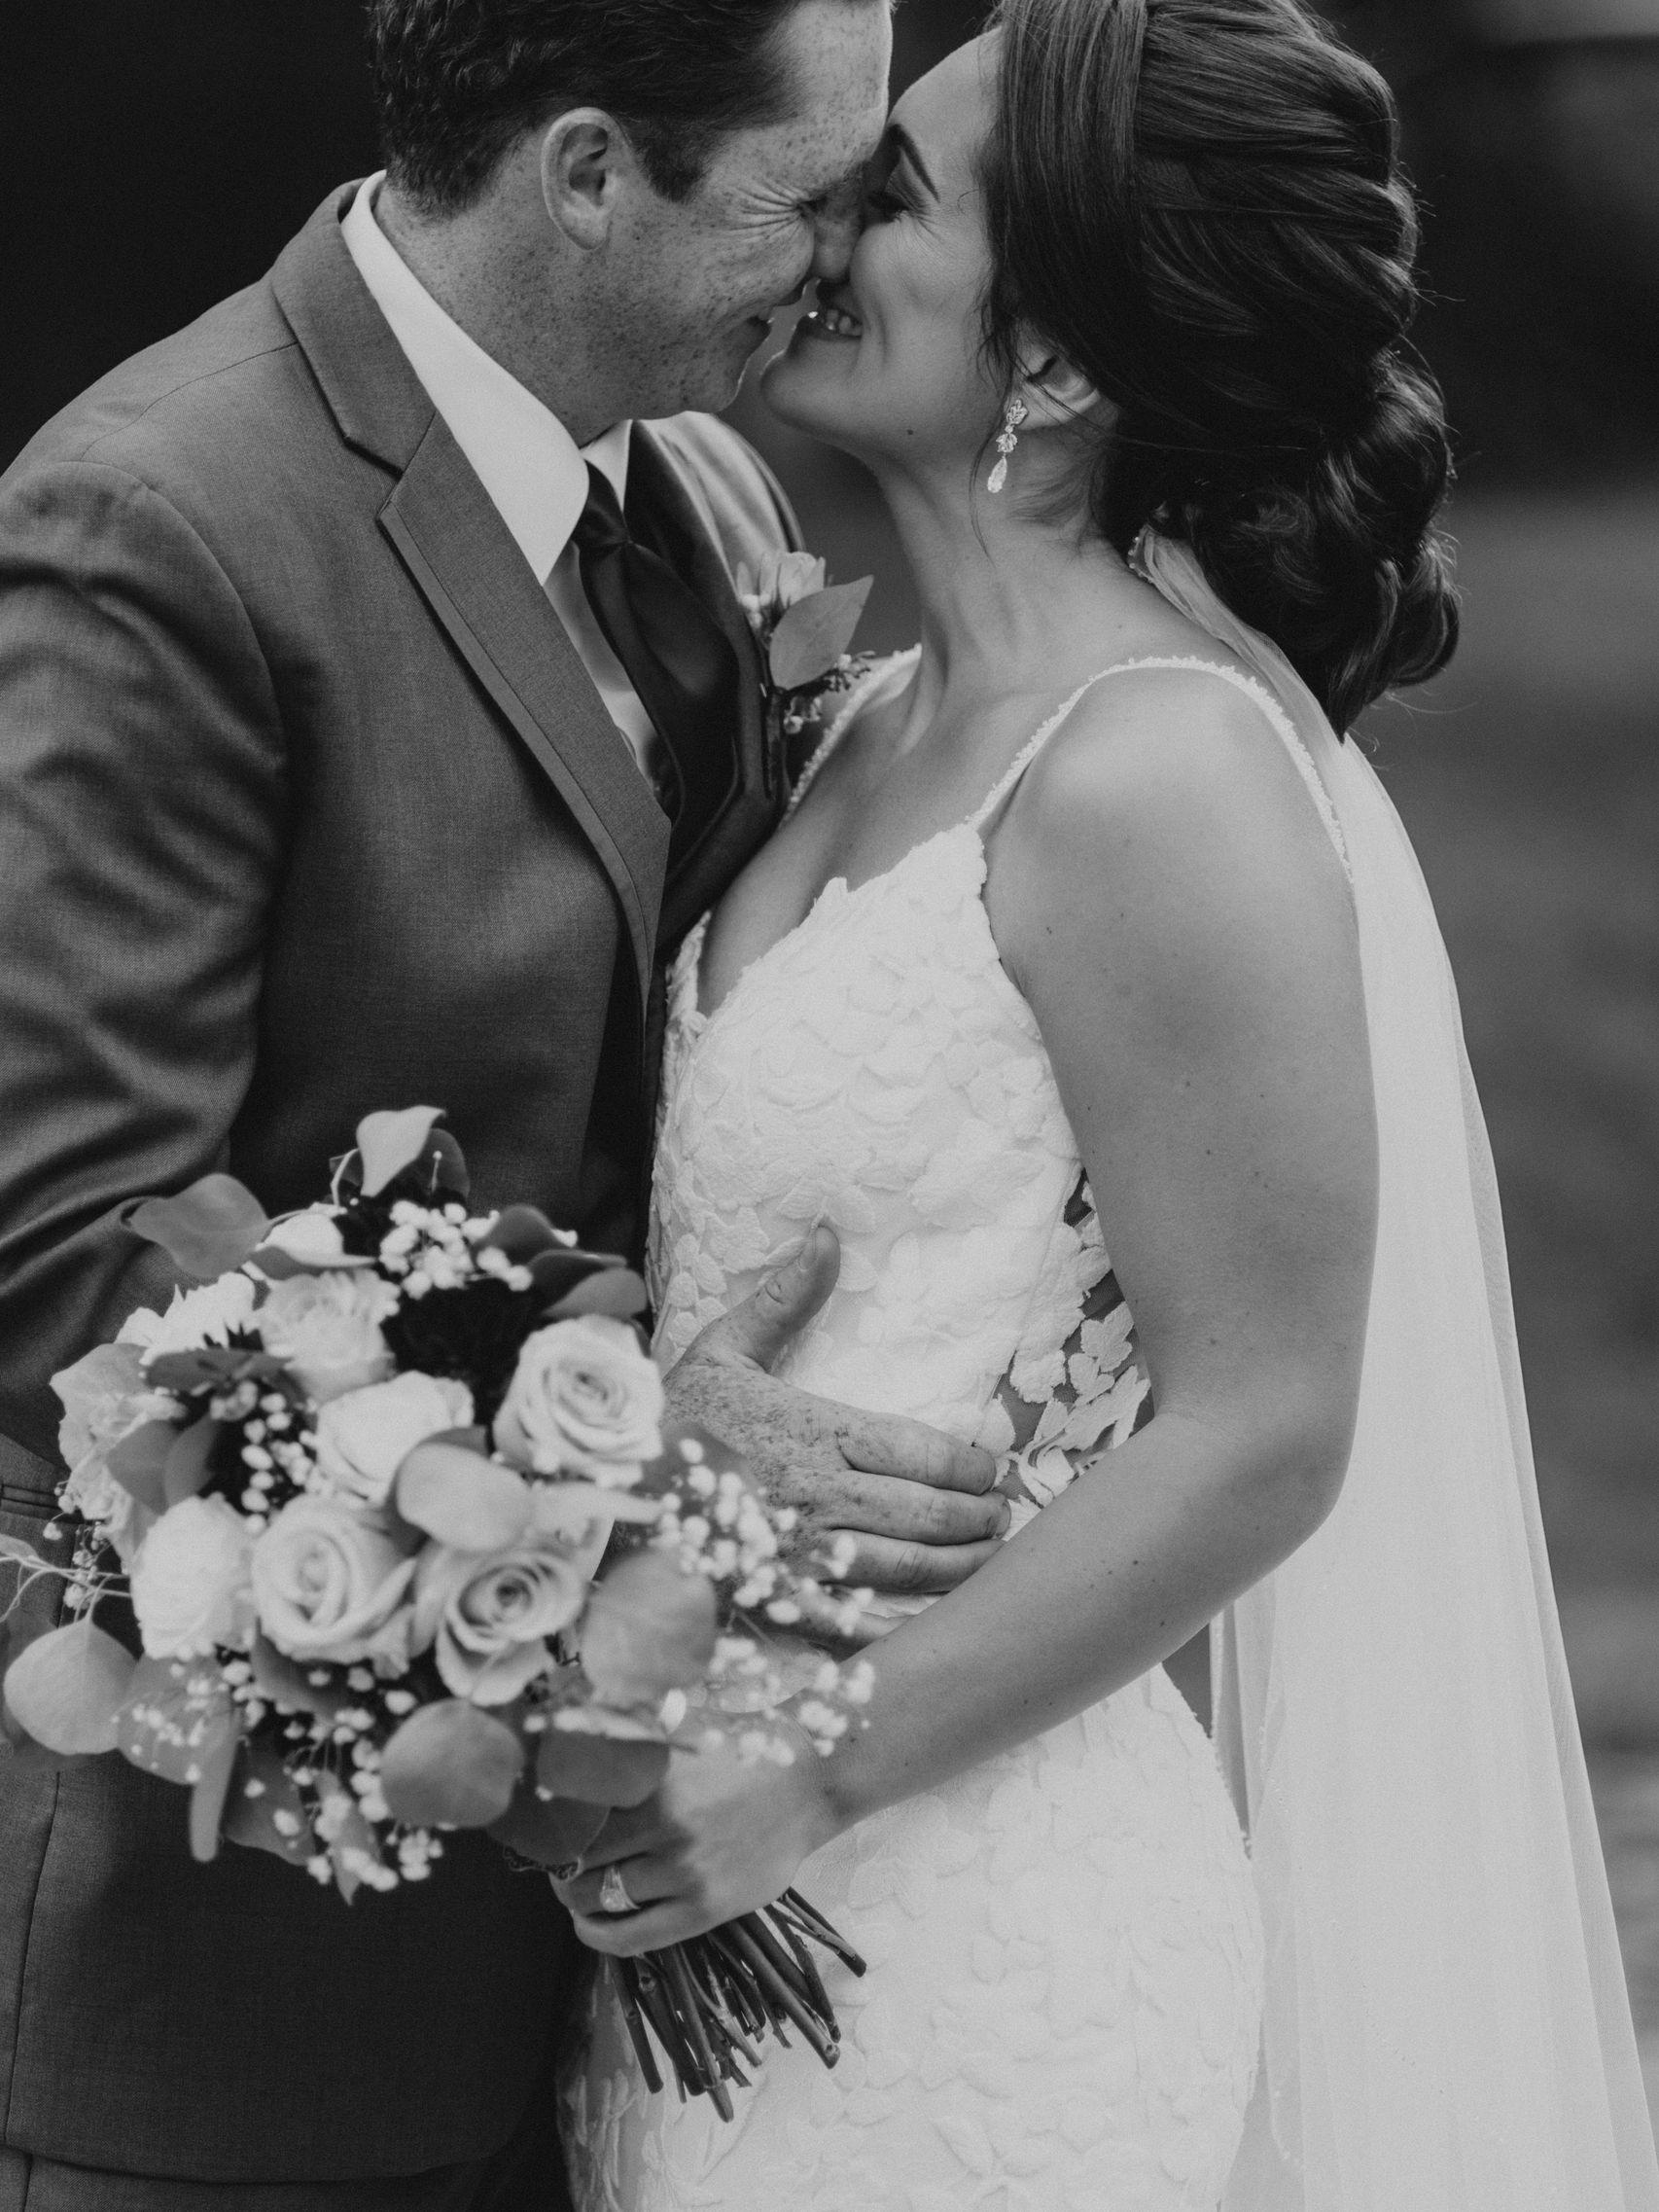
1166	821
1189	755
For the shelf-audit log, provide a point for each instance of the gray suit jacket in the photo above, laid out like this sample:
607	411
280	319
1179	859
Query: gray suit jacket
308	807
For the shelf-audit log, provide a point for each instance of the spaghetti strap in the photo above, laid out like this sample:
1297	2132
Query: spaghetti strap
860	696
1252	688
1035	743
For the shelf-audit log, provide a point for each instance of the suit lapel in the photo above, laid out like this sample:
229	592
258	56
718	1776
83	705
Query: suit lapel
479	587
662	508
476	583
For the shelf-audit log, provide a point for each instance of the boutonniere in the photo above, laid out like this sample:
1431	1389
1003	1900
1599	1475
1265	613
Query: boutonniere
803	625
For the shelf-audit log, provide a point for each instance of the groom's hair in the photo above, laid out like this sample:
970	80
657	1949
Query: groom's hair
456	82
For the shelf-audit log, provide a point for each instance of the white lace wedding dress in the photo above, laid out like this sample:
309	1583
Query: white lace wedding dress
1062	2008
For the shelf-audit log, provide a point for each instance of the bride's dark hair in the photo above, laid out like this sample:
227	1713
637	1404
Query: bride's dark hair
1199	204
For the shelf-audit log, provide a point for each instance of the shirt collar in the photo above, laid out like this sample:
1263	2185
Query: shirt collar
519	450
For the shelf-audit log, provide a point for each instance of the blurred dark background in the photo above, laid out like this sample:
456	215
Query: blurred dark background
156	154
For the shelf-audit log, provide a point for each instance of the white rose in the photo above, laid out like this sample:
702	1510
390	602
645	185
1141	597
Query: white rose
210	1314
190	1580
104	1399
365	1437
328	1330
92	1492
583	1397
797	575
311	1235
488	1619
329	1584
781	579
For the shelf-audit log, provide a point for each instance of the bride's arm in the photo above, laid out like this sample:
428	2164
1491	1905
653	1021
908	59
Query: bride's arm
1167	900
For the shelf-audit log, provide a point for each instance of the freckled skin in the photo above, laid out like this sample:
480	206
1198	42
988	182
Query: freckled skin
917	1505
918	376
776	207
659	305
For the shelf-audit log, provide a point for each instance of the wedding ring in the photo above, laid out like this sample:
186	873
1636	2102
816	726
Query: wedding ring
614	1893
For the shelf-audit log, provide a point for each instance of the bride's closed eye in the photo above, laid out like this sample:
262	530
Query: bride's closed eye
900	182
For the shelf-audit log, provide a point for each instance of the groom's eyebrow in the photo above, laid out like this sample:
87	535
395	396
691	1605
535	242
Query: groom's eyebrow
907	146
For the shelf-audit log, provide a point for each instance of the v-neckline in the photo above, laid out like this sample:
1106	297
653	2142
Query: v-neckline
702	1017
693	949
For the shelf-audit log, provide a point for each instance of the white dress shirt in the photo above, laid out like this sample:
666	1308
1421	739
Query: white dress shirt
519	450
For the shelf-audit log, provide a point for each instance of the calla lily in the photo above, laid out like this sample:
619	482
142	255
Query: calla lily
462	1500
584	1515
305	1243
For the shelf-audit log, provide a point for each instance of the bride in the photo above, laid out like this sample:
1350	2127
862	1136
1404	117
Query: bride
1090	978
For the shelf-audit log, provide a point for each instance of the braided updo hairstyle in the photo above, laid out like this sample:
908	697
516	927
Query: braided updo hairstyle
1199	204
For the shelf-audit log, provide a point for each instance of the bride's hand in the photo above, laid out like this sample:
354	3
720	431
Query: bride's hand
723	1836
895	1506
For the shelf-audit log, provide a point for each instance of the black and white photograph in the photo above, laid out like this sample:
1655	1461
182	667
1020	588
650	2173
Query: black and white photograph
829	1106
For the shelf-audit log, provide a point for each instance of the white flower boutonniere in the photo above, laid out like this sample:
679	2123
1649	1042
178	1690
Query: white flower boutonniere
805	625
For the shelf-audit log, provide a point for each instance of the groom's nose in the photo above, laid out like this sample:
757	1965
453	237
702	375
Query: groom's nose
835	233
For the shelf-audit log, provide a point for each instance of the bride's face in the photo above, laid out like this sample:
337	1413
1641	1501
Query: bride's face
890	365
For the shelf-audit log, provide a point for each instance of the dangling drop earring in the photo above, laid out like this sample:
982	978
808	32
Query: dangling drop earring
1013	415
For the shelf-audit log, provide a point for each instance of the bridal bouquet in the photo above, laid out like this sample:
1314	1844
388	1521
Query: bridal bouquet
408	1549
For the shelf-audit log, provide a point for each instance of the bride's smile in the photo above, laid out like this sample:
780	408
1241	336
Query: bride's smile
891	366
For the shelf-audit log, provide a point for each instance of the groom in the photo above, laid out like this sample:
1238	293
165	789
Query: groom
374	712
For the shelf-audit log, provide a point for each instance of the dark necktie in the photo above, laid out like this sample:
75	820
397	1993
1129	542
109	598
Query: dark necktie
677	658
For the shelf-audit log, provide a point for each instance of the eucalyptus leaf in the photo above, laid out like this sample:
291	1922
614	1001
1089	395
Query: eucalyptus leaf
30	1758
551	1831
66	1688
341	1827
213	1367
815	632
206	1231
285	1682
207	1799
174	1718
616	1291
33	1758
556	1272
649	1628
139	1463
186	1473
601	1771
523	1232
264	1809
450	1766
277	1265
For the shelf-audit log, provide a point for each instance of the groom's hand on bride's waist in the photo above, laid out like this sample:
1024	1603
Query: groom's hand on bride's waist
896	1505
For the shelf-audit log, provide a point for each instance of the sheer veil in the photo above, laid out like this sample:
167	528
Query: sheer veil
1447	2025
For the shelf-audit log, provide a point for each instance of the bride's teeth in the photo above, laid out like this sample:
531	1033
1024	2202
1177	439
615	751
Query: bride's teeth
838	323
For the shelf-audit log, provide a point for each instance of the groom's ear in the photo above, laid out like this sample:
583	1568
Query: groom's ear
586	164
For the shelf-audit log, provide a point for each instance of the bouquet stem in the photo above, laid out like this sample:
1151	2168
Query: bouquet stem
712	2000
